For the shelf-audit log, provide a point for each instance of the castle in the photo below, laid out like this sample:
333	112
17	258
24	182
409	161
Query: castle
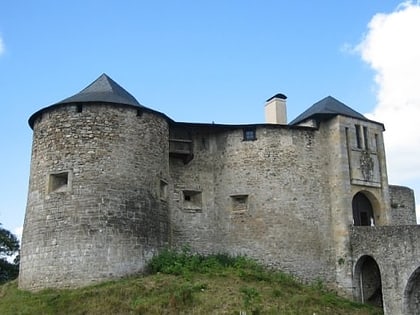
112	182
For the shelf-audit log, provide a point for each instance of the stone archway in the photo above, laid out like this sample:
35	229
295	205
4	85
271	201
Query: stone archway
362	210
367	281
412	294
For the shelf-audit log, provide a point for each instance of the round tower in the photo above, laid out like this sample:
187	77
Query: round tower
97	205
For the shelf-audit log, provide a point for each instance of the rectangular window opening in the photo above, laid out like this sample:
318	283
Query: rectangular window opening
358	136
239	203
192	200
365	137
79	108
250	134
163	190
58	182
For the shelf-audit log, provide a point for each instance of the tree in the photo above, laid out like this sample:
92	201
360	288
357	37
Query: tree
9	246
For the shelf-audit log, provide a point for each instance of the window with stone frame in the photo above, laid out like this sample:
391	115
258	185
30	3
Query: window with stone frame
362	137
79	108
249	134
59	182
365	137
359	140
163	190
239	203
192	200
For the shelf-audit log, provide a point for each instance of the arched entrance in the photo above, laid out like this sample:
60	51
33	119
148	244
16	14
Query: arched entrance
362	210
412	294
367	280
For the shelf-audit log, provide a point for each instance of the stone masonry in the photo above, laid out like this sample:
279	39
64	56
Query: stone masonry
113	182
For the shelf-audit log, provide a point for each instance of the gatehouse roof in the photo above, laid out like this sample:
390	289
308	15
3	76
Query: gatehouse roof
325	109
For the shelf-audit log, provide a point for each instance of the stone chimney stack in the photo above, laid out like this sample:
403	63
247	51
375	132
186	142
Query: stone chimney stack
275	110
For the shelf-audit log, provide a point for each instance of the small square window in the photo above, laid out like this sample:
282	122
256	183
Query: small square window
192	200
79	108
239	203
58	182
250	134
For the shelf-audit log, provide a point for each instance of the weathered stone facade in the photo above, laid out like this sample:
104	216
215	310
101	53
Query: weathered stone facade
396	251
403	211
112	183
108	219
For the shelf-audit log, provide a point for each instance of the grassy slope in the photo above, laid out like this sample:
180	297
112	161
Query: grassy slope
187	286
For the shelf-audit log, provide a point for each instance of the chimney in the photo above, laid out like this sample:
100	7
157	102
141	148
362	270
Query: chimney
275	110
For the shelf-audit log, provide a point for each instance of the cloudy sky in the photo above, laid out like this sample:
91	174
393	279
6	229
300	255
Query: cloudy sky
210	61
392	49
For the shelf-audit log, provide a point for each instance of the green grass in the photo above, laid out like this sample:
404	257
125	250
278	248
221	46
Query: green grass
180	283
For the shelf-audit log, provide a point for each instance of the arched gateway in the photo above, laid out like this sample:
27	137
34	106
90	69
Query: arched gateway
412	294
362	210
367	280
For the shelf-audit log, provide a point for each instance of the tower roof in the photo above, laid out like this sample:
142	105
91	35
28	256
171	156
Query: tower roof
326	108
103	89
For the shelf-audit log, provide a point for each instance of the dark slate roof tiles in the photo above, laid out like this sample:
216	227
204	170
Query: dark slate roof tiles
103	89
327	108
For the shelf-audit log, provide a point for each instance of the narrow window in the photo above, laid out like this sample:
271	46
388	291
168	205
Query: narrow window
250	134
139	113
79	108
192	200
58	182
358	137
365	137
239	203
163	190
376	142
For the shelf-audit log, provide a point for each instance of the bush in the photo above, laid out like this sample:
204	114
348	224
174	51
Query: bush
184	262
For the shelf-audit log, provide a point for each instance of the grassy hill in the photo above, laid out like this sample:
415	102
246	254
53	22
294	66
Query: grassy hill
180	283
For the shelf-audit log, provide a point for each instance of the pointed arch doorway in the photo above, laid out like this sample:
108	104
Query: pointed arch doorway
368	282
362	210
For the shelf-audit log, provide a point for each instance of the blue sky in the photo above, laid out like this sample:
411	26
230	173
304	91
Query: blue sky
196	61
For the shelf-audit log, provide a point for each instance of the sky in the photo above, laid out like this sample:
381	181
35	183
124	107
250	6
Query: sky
210	61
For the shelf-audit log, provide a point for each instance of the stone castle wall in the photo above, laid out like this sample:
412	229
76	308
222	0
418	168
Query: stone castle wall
94	209
267	199
111	185
403	206
395	249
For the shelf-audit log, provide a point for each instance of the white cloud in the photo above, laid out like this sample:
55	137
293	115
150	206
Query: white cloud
18	232
392	49
1	46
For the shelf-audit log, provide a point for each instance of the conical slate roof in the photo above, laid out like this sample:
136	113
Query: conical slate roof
103	89
325	109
